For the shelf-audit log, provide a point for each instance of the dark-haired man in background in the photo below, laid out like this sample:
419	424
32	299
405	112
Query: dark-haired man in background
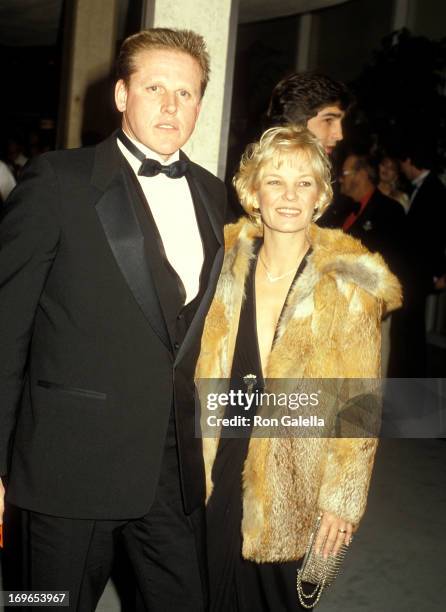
313	100
109	260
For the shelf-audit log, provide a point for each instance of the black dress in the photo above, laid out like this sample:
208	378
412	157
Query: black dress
238	585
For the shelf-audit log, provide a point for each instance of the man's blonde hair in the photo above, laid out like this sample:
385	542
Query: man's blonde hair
184	41
273	145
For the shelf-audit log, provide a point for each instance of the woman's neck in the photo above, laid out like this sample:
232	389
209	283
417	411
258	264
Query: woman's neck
281	252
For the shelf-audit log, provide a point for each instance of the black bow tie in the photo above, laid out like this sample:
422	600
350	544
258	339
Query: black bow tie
152	167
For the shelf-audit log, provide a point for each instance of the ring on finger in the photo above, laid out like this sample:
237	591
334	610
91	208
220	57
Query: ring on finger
342	530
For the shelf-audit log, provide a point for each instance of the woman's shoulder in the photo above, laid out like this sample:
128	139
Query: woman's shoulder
335	241
348	261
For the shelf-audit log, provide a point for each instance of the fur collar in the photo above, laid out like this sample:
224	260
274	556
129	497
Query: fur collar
334	253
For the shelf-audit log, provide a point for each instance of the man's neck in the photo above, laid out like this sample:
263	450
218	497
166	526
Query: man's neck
163	159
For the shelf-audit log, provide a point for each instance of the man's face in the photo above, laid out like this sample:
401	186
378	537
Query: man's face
407	169
161	103
349	180
327	126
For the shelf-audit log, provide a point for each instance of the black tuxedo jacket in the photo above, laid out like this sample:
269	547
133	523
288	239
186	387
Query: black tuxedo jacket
88	369
381	228
426	222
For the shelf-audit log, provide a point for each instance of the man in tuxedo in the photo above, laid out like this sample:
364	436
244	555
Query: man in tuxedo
426	216
425	223
378	222
109	260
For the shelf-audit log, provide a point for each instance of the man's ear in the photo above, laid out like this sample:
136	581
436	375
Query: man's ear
121	96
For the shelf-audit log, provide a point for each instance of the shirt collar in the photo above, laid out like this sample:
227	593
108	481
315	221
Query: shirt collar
419	180
149	153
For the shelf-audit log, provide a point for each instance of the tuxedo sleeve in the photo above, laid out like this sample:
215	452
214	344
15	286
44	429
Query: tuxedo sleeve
29	237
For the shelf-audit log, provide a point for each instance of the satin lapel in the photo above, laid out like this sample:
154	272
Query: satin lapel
215	214
195	327
125	238
216	218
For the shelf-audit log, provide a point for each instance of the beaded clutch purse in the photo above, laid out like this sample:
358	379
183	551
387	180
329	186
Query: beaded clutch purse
317	570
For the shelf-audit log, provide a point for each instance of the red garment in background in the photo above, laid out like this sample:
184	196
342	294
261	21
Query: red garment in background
354	215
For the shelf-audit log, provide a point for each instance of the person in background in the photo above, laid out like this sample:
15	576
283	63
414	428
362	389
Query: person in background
425	231
298	302
312	100
389	183
110	257
378	222
427	210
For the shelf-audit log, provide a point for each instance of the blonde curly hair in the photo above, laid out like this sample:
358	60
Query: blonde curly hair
273	145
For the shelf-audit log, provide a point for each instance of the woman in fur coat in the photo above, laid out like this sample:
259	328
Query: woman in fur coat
294	302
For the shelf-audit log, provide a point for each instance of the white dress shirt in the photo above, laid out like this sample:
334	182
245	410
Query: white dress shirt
171	205
7	181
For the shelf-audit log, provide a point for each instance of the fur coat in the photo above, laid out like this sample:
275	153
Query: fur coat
330	329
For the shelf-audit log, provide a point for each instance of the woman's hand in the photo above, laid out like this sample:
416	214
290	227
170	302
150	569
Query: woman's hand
335	532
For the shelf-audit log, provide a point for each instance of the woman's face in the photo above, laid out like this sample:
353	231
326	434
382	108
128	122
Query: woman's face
388	171
287	193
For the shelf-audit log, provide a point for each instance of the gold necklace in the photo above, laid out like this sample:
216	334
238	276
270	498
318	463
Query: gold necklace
270	277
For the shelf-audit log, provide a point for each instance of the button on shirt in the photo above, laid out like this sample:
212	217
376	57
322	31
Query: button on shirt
172	208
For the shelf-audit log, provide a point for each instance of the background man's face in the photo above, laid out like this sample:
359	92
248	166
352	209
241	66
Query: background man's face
327	126
161	103
407	169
